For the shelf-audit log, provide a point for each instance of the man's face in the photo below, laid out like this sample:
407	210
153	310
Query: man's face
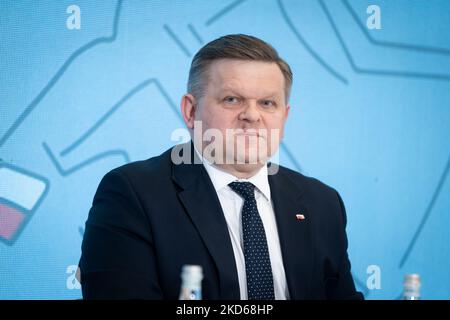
248	96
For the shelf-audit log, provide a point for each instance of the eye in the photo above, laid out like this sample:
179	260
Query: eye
268	103
231	100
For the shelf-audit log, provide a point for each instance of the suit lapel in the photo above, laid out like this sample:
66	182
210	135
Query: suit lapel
294	234
202	205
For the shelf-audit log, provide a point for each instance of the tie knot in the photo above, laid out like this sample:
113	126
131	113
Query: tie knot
245	189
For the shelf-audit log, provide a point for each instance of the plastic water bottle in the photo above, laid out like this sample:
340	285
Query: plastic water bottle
191	284
411	287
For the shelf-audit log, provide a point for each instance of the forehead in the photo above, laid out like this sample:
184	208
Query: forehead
247	77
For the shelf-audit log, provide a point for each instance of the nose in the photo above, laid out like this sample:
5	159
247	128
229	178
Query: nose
250	113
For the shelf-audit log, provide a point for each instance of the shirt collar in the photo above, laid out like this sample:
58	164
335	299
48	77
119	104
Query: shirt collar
221	179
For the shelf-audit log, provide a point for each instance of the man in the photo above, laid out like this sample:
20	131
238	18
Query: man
258	231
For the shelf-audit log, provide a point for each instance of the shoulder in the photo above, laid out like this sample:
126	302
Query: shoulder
323	198
141	174
326	199
308	184
153	166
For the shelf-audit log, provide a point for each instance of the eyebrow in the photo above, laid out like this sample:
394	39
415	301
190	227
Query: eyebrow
233	91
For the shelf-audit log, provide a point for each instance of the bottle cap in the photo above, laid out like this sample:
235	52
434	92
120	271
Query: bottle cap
413	278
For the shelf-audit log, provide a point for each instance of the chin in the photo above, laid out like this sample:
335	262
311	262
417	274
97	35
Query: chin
247	167
252	157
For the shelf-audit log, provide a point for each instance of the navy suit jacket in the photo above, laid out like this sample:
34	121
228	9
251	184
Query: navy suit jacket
149	218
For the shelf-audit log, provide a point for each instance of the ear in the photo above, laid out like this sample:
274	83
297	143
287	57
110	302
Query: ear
188	108
288	108
286	115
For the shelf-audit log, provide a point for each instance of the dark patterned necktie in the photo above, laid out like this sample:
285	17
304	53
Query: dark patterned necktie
256	253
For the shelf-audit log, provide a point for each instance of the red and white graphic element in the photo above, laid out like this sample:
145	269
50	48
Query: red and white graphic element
20	193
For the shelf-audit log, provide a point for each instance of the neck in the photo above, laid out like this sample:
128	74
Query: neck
240	171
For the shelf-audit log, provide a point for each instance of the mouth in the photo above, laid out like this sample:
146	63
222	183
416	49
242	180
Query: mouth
248	133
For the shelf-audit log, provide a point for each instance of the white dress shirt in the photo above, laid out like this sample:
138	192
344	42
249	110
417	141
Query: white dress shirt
232	204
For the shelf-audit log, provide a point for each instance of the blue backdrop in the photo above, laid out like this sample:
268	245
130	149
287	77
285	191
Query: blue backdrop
86	86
